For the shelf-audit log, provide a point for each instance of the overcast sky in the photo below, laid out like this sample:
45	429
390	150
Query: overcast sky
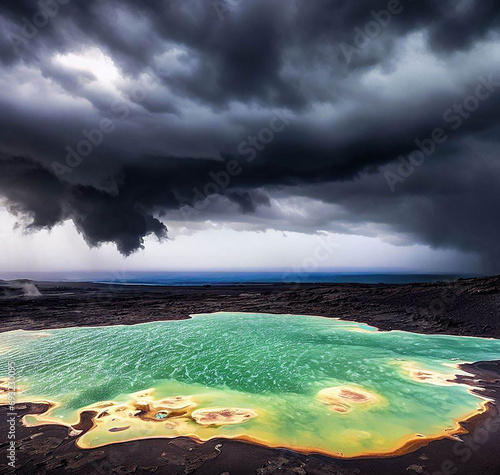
245	133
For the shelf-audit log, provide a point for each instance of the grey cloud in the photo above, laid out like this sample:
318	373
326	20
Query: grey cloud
220	82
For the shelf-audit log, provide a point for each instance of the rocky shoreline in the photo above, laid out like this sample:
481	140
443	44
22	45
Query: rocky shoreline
465	307
51	449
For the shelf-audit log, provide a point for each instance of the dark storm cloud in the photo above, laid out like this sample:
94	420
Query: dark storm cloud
188	94
34	191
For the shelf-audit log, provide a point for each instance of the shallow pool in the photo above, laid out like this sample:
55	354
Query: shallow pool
309	383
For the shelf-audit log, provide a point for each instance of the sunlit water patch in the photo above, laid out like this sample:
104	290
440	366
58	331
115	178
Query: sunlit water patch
308	383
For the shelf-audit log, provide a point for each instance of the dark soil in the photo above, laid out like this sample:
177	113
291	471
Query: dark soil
465	307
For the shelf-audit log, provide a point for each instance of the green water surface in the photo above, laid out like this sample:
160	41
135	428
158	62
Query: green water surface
272	364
